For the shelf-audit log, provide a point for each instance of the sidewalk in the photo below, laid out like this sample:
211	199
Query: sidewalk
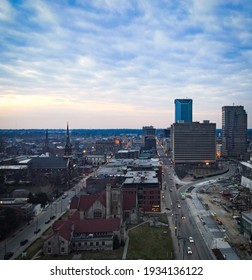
176	248
125	250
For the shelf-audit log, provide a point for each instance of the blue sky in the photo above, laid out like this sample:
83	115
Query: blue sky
121	64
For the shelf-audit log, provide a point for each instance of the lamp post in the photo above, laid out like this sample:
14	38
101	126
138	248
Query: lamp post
51	210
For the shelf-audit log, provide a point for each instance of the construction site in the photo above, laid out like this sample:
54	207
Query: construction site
225	203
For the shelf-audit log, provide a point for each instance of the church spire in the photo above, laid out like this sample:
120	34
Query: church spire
46	146
68	146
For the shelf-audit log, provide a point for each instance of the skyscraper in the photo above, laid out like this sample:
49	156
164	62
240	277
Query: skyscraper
234	131
149	130
193	142
183	110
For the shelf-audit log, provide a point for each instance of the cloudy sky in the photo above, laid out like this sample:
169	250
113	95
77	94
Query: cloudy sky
121	63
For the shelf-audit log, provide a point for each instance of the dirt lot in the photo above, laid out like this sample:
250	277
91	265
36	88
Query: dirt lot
218	204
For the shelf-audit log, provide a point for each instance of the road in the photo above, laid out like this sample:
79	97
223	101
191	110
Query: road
56	209
183	221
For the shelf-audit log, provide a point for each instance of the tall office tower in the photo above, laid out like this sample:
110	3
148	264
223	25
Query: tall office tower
234	131
183	110
193	142
149	130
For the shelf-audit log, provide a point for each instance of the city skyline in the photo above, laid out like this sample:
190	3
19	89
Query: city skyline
121	64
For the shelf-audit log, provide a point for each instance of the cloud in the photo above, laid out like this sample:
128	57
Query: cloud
140	54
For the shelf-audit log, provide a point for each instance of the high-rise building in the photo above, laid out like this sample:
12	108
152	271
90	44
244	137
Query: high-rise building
183	110
193	142
234	131
149	130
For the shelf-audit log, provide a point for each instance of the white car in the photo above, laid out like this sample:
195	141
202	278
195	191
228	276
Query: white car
191	239
189	251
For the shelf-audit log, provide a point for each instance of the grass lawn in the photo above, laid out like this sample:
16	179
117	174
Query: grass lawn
32	249
103	255
150	243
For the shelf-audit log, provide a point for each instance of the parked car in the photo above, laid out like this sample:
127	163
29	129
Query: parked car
47	222
37	231
219	222
23	242
189	251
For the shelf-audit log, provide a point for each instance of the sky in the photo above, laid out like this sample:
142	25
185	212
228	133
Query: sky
122	63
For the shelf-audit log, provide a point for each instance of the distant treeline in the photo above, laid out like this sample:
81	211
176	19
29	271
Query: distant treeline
33	133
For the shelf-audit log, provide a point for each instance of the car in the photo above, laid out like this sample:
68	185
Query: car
179	206
8	255
191	240
183	217
47	222
23	242
189	251
52	217
37	231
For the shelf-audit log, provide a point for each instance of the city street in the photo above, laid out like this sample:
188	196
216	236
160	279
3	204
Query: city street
40	223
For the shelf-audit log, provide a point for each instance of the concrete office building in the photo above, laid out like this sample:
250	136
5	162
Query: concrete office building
149	131
193	142
183	110
234	131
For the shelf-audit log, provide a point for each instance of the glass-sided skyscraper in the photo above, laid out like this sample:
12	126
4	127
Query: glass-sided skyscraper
183	110
234	131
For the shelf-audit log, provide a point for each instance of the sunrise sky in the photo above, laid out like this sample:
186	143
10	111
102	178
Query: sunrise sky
121	64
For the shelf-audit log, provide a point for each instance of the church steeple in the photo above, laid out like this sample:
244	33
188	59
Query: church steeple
46	148
68	146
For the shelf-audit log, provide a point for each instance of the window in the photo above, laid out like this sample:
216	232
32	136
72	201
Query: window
49	250
62	249
97	243
97	213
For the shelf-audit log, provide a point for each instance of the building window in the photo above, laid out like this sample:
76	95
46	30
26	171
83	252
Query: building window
62	249
97	243
97	214
49	250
